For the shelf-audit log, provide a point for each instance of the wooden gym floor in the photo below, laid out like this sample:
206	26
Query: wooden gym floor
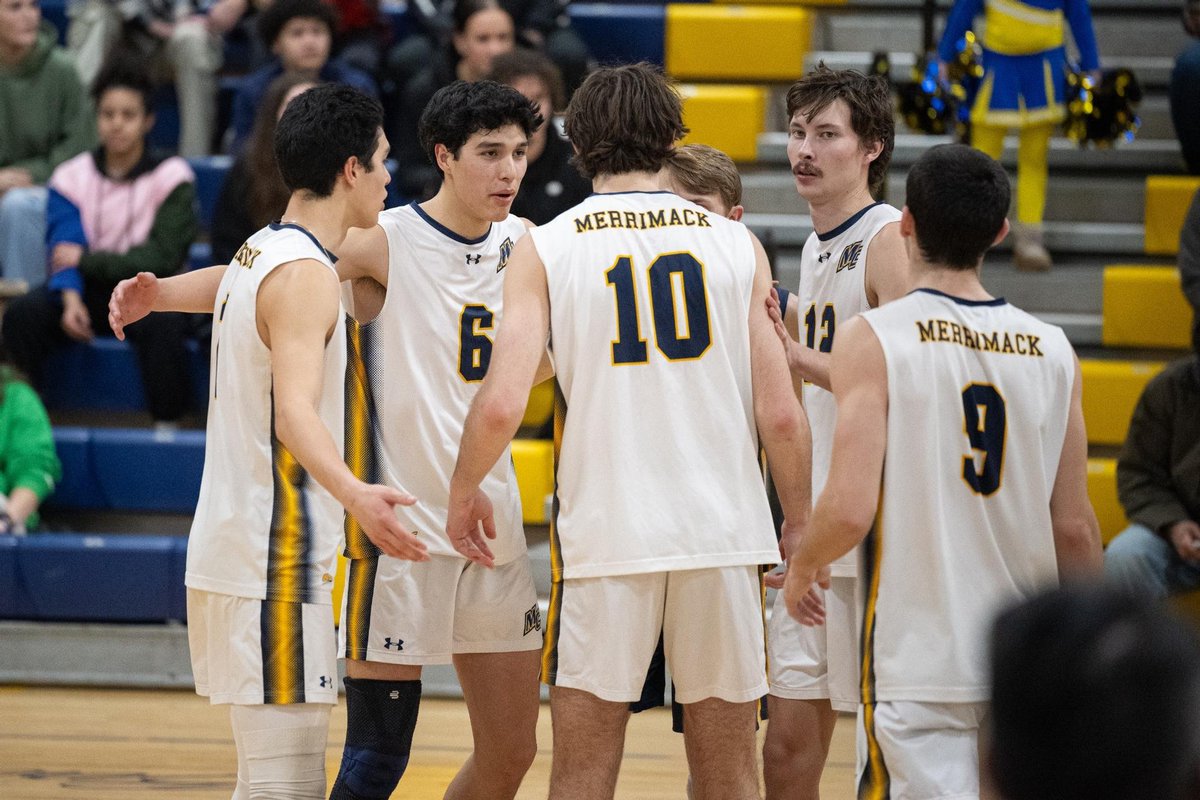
109	744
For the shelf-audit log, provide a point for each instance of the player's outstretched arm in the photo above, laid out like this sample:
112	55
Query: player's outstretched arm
846	508
1076	531
782	424
297	308
133	298
500	403
364	254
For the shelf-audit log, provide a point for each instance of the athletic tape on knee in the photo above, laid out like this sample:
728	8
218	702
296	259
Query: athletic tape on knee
286	763
380	718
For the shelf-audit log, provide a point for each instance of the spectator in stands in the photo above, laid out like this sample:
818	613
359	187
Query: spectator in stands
1158	483
1189	264
253	193
482	30
1095	696
362	36
45	119
111	214
542	25
29	466
551	184
1185	90
1023	87
299	34
179	37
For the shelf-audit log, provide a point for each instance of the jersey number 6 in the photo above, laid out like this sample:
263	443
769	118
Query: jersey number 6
676	285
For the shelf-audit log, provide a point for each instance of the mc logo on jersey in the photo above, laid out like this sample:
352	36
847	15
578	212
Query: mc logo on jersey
850	256
505	251
533	620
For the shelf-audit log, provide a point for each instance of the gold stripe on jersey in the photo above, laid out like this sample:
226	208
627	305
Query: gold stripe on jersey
281	638
874	783
554	612
360	591
291	527
361	454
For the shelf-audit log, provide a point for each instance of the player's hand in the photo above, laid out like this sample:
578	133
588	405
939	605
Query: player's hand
14	178
789	539
132	300
374	508
76	322
794	351
1185	537
469	524
802	593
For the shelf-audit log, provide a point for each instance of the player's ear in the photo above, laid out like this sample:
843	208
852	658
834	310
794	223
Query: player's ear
736	212
908	226
442	156
350	169
873	150
1004	229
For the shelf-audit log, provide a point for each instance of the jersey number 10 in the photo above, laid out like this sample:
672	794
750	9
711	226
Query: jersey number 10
672	276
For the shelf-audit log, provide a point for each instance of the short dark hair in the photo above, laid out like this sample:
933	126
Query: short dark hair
121	71
624	119
320	130
522	63
958	198
872	111
459	110
463	10
1095	696
280	12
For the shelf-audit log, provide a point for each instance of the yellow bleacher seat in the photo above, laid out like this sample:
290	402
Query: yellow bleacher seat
1102	489
726	117
1144	306
1167	201
736	42
1110	391
541	405
534	462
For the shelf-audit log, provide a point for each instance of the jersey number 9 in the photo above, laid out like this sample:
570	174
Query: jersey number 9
985	423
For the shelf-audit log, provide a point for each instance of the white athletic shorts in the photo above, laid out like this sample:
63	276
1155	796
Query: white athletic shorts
602	632
822	662
922	751
406	612
261	652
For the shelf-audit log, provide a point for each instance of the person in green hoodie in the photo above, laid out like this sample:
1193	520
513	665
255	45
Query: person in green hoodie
29	467
45	118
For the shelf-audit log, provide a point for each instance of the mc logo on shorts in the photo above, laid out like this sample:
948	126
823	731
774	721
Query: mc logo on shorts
533	620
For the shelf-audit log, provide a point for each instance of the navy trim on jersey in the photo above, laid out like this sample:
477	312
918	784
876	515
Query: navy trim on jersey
278	226
845	226
631	191
995	301
442	229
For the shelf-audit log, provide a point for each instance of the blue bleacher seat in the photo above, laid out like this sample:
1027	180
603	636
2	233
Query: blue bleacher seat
210	176
55	12
92	578
128	469
104	375
621	33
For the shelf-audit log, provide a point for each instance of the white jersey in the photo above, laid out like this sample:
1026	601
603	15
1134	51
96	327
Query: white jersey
978	398
658	468
424	357
263	528
833	290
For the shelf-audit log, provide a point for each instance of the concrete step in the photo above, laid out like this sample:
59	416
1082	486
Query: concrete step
1153	72
1141	156
1121	35
1070	196
1095	238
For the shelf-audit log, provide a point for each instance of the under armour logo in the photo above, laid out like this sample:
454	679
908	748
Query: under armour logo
326	681
389	643
821	259
474	258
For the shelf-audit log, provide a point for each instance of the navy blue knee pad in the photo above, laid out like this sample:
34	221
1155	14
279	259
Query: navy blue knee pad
380	718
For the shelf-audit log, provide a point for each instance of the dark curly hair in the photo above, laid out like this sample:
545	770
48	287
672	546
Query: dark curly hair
281	12
322	129
461	109
123	71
